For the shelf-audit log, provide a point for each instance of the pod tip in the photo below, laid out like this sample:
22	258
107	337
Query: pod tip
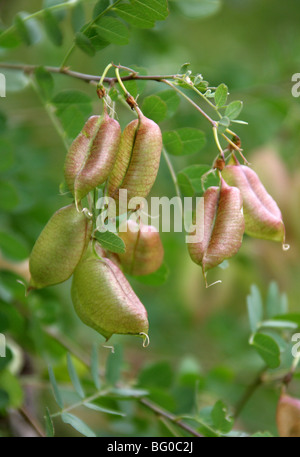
146	339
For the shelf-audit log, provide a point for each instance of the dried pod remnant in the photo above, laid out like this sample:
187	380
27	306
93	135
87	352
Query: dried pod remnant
59	247
263	218
138	159
288	417
104	299
223	227
144	250
92	155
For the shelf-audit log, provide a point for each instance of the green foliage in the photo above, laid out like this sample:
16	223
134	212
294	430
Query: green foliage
74	377
192	180
221	95
8	196
72	109
56	392
49	425
183	141
85	43
221	420
112	30
111	241
52	28
255	308
45	82
154	108
188	324
233	109
78	424
267	348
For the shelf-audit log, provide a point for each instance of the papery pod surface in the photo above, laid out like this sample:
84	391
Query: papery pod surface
144	250
59	247
104	299
263	218
288	417
223	226
138	159
92	154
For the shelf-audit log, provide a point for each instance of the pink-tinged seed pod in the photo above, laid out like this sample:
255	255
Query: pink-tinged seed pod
263	218
288	417
138	159
223	227
92	155
144	250
59	247
104	299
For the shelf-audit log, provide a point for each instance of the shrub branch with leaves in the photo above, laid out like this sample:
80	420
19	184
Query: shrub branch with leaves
101	160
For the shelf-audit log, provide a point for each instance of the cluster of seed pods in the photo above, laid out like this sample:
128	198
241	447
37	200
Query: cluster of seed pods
101	294
241	204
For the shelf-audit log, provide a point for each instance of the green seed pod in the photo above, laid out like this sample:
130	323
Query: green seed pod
104	299
92	155
223	227
144	250
59	247
288	417
263	218
138	159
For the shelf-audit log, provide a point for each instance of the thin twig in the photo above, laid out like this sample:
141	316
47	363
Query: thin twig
207	117
83	76
257	382
172	172
34	424
145	402
163	413
110	80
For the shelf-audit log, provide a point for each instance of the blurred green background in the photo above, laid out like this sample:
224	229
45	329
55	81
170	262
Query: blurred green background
253	47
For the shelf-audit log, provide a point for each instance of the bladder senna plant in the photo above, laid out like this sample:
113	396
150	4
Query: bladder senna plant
104	299
144	250
59	247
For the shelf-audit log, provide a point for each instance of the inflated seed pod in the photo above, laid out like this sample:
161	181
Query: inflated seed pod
138	159
92	154
263	218
104	299
59	247
222	226
144	250
288	417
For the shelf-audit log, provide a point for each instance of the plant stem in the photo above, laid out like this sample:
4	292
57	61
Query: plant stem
83	76
93	79
215	131
34	424
210	120
257	382
206	100
121	82
49	110
39	13
172	172
89	399
167	415
90	24
69	346
106	70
